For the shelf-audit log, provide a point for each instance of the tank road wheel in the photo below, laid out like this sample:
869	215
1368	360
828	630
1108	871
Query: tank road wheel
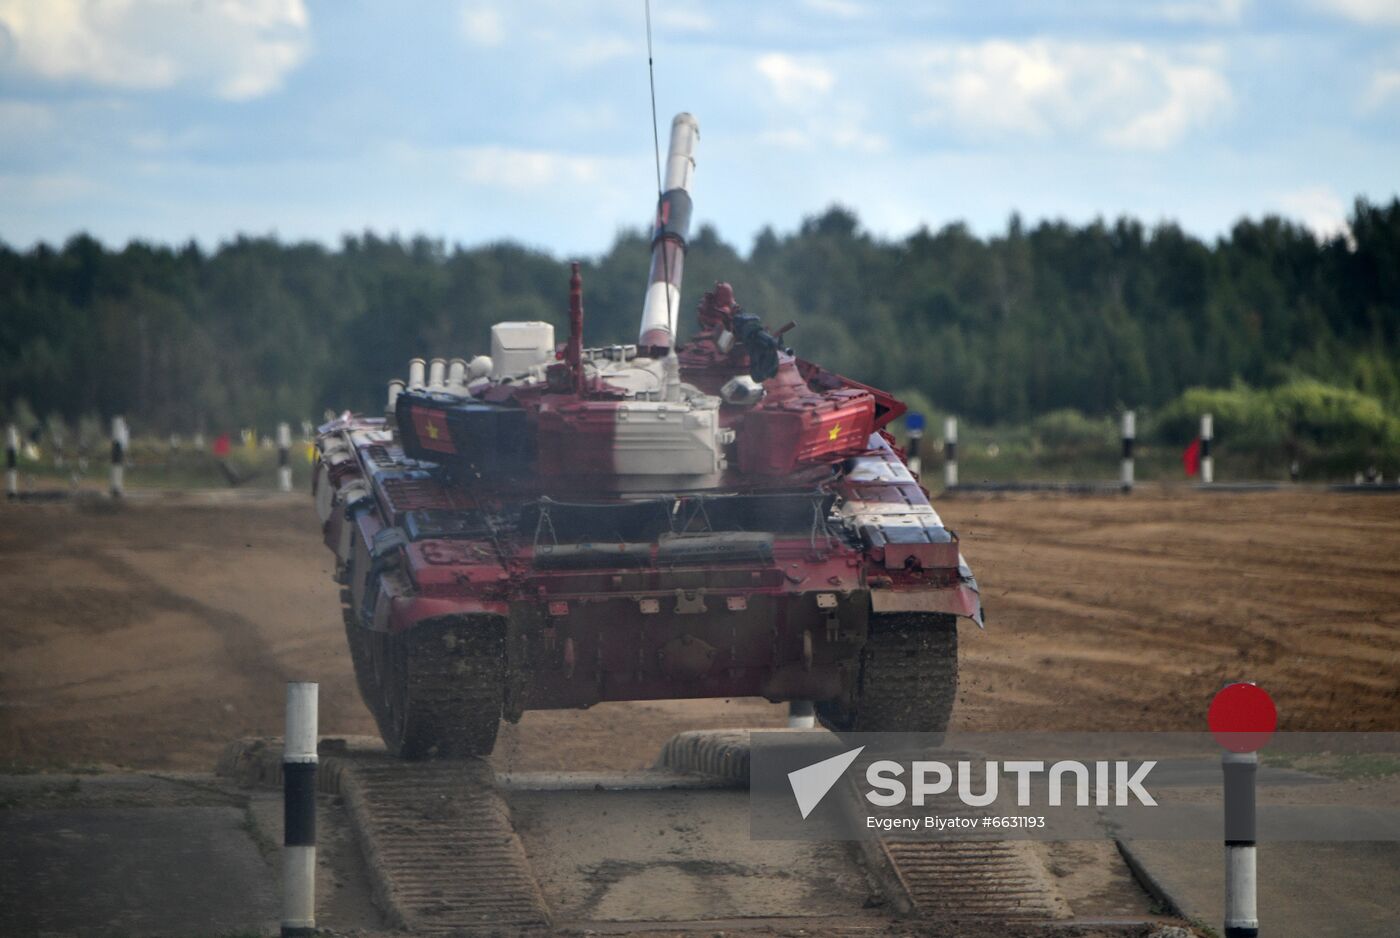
436	689
908	677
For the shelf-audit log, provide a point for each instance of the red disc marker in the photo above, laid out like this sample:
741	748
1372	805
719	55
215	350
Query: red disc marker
1242	717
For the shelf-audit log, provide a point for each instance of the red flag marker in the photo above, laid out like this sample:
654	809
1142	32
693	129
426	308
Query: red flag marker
221	445
1242	717
1191	458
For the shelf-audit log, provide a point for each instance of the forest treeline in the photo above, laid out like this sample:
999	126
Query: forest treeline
1001	329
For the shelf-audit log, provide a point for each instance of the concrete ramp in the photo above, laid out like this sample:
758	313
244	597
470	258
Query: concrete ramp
440	846
678	856
454	848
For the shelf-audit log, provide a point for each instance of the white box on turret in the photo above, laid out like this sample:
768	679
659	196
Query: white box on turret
516	347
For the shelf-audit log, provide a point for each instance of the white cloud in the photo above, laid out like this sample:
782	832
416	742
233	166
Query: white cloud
1319	208
22	119
46	188
1216	12
827	133
1120	94
674	18
239	49
588	51
566	34
515	168
804	114
1385	85
841	9
482	25
795	82
1363	11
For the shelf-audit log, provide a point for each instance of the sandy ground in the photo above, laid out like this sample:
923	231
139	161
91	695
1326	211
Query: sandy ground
1129	613
149	636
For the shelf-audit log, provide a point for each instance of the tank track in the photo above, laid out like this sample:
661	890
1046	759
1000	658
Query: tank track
435	690
908	678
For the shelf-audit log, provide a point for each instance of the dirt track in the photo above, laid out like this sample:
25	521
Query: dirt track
150	636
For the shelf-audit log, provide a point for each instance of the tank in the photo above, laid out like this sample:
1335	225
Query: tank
557	524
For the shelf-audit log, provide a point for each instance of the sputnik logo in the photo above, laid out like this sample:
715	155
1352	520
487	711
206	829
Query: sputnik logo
811	783
1117	783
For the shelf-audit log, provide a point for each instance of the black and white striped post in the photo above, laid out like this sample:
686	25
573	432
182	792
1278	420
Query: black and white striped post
12	461
1207	462
1241	870
299	811
950	452
284	457
121	439
914	423
1242	717
1125	475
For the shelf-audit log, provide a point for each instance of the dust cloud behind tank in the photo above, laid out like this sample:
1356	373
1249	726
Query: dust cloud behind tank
556	525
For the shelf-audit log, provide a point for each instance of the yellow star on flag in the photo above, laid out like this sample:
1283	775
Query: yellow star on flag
834	430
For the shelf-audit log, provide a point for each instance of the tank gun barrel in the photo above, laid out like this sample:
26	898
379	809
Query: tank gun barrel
661	307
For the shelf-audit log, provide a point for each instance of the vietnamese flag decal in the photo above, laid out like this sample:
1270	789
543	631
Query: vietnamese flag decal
431	429
221	445
1191	458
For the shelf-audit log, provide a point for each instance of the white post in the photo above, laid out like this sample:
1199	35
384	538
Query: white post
802	715
1241	869
1207	462
950	452
284	457
121	439
12	461
1129	437
915	423
299	811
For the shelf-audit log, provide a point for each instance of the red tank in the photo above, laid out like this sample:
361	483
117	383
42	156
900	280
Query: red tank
556	525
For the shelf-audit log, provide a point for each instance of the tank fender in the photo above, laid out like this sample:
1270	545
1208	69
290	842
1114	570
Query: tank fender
407	611
964	599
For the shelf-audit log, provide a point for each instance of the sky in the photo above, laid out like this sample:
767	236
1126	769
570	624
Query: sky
483	120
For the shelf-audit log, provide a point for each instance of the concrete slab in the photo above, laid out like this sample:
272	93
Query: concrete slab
678	856
156	871
1306	890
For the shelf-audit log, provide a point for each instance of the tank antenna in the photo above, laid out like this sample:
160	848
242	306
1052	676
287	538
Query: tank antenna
656	153
651	80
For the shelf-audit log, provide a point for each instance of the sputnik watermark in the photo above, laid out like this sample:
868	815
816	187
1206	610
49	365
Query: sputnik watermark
1114	783
1057	786
928	778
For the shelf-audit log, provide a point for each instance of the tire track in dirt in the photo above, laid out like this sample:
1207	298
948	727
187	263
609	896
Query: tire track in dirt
244	647
1296	589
